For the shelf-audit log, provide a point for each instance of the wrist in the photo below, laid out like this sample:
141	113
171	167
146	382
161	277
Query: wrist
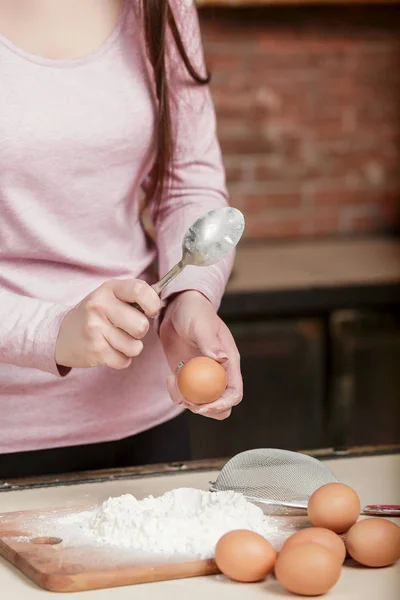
185	296
177	299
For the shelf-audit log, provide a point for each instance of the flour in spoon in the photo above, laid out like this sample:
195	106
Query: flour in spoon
184	521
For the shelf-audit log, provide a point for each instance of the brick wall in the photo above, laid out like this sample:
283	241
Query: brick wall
308	108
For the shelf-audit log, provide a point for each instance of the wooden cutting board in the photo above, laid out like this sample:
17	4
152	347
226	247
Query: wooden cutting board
55	566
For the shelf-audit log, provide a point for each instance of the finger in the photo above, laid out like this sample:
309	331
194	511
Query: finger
136	290
116	360
229	398
176	396
122	342
129	319
207	410
233	394
227	401
174	391
218	416
232	365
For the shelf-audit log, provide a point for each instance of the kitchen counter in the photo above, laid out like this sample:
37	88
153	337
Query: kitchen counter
316	276
374	477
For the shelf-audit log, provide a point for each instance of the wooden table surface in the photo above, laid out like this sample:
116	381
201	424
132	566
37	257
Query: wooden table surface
375	478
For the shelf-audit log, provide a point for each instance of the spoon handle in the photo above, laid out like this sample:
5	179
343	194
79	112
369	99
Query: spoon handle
160	285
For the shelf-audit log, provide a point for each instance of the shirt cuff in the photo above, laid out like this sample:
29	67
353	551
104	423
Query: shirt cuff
44	343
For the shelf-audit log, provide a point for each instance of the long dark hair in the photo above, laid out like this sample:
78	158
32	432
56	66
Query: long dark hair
158	17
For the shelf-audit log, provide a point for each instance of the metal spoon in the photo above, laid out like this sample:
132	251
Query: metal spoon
206	242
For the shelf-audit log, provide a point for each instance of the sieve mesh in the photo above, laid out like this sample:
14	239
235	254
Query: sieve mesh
269	475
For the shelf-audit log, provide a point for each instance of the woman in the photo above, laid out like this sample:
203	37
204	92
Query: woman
101	99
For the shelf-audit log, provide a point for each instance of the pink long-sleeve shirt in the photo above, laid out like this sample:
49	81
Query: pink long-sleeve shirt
76	147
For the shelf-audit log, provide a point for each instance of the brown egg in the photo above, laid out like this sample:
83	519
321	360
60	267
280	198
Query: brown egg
244	556
308	569
374	542
334	506
202	380
318	535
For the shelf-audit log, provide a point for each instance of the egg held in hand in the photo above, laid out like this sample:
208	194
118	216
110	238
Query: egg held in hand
202	380
307	569
334	506
374	542
244	556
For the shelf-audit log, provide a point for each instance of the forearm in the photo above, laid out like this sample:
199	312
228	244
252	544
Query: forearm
28	331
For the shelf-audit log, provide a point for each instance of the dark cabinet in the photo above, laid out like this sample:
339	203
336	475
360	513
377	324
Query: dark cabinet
283	364
311	383
365	375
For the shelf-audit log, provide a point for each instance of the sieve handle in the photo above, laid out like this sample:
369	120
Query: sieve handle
382	510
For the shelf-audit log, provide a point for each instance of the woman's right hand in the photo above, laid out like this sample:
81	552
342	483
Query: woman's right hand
103	329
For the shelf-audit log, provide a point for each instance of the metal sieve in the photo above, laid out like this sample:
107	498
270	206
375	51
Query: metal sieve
282	480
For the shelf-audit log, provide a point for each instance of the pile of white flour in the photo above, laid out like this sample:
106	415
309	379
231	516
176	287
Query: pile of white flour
184	521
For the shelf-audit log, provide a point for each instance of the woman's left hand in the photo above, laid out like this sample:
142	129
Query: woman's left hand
190	328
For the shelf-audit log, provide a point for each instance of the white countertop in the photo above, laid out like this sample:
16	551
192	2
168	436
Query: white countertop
375	478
